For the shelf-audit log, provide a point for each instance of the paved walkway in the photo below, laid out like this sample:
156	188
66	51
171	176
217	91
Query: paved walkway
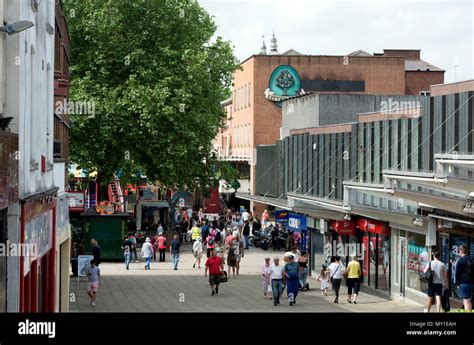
163	290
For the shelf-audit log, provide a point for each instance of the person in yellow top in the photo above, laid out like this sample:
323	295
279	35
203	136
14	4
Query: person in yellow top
353	280
195	233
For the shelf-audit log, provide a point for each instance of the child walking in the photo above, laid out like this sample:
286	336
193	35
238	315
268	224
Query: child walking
323	278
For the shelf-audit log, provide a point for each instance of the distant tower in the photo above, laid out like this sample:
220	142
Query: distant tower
273	45
263	50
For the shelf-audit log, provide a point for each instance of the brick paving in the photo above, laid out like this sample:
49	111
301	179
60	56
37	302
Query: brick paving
187	290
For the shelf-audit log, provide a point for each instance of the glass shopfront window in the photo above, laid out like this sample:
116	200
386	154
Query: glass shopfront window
418	257
317	249
383	281
373	254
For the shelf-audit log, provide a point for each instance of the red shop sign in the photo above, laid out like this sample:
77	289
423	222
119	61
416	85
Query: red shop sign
343	227
373	226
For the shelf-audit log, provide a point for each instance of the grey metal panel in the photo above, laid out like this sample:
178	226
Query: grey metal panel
360	152
333	162
394	144
305	162
404	144
368	152
415	144
425	141
266	170
353	159
339	165
327	162
437	125
279	176
321	161
346	155
450	115
311	166
377	150
463	123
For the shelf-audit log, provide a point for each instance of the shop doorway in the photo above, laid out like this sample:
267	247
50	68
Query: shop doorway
402	253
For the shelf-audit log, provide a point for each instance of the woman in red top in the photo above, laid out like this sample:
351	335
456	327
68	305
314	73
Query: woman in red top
161	243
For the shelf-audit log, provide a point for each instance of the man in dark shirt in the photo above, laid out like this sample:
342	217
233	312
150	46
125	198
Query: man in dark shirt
174	249
95	252
246	233
256	225
127	251
464	277
204	231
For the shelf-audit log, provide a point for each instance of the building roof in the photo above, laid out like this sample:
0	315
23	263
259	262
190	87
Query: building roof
360	53
421	65
291	52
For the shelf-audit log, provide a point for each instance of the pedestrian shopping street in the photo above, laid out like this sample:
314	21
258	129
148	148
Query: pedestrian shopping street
187	290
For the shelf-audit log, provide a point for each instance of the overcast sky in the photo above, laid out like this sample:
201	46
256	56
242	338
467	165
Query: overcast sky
443	30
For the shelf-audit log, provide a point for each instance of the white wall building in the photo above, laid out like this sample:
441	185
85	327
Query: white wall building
28	97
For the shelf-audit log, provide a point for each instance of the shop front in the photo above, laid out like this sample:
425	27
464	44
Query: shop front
37	264
369	241
317	239
375	238
297	224
411	254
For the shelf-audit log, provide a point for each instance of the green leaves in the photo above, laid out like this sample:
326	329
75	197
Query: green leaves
157	81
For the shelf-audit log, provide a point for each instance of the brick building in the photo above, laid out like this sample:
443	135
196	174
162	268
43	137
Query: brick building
256	110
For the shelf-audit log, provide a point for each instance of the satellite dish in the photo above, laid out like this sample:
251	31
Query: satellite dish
15	27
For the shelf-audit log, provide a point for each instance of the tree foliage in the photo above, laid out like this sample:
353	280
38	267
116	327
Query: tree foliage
157	74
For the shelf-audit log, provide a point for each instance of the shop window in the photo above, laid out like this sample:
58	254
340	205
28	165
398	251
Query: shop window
417	259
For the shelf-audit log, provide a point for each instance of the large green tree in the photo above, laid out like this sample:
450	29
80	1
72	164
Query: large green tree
156	74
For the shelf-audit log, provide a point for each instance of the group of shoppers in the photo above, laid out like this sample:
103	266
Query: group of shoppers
292	274
438	281
334	274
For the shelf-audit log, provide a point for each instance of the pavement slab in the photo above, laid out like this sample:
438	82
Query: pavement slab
162	289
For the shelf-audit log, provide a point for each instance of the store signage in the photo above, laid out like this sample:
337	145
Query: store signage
373	226
38	235
76	201
281	216
297	222
284	83
343	227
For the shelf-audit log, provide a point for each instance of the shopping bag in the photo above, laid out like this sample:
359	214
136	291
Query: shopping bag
445	301
223	278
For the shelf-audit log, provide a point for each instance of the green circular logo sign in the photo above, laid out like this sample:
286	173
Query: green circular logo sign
284	83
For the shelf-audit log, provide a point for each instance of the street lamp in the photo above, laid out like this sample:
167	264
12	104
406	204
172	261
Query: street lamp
15	27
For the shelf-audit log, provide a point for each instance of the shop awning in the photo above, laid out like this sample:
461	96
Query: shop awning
324	203
278	203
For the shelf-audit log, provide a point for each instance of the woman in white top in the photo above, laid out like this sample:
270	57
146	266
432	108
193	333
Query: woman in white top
336	270
266	278
197	252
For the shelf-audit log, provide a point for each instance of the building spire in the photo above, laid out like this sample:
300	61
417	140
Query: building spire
263	49
273	45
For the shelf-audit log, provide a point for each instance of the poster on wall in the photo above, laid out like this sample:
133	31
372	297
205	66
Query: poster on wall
62	215
83	262
38	238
